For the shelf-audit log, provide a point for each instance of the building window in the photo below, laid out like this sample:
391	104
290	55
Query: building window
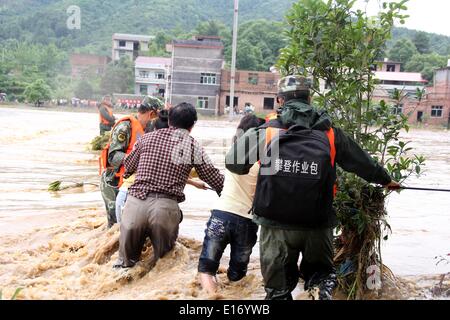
122	43
390	68
269	103
208	78
202	102
235	101
159	75
143	89
397	109
143	74
253	78
436	111
122	54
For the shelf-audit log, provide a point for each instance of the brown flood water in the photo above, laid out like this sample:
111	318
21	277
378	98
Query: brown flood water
56	245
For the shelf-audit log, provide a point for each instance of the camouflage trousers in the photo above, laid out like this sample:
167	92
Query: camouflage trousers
109	190
279	254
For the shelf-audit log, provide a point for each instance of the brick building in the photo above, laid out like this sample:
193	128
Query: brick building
87	64
434	108
254	88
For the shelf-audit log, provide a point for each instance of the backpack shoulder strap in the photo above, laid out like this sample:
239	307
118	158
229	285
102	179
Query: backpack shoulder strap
330	135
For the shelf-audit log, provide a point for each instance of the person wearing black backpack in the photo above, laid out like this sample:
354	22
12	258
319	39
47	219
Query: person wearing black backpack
298	152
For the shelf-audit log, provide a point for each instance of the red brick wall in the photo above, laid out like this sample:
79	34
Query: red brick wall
82	63
247	92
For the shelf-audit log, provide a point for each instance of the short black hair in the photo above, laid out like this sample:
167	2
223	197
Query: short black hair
302	95
163	120
182	116
247	122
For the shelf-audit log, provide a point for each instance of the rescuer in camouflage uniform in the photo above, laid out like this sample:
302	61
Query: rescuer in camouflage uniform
117	150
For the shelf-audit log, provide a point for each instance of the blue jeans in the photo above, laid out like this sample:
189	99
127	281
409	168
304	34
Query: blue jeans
120	203
225	228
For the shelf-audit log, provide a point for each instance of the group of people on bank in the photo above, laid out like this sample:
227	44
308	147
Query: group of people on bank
279	178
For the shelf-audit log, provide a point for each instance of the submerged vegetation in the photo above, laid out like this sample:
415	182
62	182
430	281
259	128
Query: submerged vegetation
100	142
345	66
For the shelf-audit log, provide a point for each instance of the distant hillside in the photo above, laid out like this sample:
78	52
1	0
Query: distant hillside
44	21
438	43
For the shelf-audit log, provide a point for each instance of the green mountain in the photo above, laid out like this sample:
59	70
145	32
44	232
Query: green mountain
44	21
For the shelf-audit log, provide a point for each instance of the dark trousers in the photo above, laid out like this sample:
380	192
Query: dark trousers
156	218
225	228
279	253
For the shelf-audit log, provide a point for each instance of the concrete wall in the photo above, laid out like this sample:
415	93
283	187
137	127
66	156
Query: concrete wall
152	89
212	101
187	66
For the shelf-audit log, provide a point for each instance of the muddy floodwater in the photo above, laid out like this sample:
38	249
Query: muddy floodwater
55	245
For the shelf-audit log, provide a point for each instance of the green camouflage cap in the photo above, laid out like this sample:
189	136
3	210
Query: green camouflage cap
152	102
294	83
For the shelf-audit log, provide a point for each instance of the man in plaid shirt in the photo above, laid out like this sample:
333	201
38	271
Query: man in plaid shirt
162	161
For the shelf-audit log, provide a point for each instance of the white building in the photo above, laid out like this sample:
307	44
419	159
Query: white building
129	45
151	75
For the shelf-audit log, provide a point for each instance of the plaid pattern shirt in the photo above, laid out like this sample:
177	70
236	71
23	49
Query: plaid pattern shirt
163	160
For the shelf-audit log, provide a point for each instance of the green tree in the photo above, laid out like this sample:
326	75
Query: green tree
211	28
337	44
118	77
422	42
426	64
84	90
37	92
259	43
158	46
402	51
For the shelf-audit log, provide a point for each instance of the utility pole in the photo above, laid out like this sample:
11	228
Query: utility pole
233	57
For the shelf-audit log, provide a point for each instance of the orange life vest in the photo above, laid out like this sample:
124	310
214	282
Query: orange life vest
136	132
110	111
271	116
271	132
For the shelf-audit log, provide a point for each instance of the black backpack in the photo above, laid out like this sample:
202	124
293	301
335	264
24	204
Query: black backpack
296	187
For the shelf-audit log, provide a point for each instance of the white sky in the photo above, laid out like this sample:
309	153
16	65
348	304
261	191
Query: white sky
425	15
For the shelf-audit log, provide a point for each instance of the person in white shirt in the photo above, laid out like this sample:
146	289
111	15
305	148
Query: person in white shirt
231	222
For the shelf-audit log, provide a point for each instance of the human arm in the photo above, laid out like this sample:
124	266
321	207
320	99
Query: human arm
206	170
245	152
352	158
120	138
198	184
131	161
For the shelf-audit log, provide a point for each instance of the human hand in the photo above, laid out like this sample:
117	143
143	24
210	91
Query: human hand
393	185
198	184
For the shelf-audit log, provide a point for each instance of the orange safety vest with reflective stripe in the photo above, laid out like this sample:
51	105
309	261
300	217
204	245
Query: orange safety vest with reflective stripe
110	111
271	132
136	132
